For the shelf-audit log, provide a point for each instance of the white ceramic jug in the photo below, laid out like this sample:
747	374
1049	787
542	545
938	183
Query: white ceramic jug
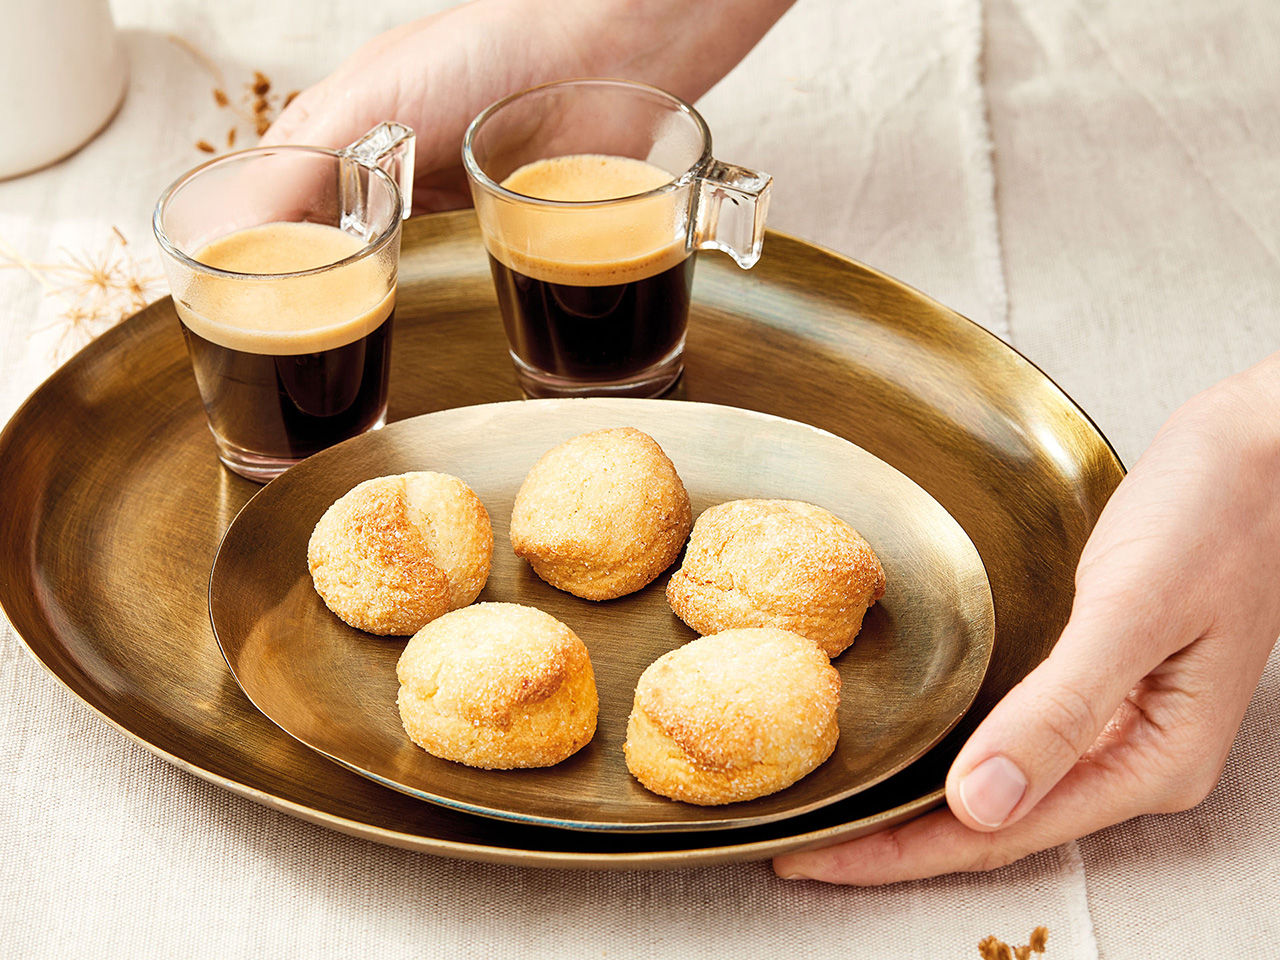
62	76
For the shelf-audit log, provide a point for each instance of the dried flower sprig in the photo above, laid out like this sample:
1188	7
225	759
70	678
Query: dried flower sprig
256	106
95	291
992	948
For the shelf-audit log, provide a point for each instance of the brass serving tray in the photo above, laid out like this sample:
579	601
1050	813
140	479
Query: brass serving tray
915	668
117	505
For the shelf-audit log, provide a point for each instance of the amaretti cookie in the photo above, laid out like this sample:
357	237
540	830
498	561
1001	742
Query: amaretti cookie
602	514
777	563
498	686
396	552
733	716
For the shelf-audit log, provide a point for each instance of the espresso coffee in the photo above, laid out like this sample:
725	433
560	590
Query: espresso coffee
598	294
287	366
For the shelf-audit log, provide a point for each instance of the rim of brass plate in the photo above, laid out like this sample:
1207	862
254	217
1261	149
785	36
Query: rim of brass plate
856	313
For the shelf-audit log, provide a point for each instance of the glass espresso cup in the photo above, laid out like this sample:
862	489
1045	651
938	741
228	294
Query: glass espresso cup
593	197
282	263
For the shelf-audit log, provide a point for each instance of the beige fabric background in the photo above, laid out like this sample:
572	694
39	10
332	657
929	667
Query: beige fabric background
1096	182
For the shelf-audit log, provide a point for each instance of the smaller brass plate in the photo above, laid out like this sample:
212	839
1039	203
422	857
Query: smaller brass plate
913	672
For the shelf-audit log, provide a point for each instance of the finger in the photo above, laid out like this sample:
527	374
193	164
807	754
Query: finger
441	190
335	113
293	121
316	118
1092	796
331	113
1121	627
1038	731
1162	752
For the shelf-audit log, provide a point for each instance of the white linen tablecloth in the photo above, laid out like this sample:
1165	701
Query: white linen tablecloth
1094	182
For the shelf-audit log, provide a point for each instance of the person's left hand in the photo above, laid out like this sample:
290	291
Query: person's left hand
435	74
1177	607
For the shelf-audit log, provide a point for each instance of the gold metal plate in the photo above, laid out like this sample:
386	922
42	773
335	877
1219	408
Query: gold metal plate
907	680
116	504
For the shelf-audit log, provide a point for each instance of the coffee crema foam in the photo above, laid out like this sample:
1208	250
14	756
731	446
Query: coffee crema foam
288	315
598	246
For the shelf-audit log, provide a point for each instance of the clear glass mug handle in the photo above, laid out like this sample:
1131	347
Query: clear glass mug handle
388	146
732	205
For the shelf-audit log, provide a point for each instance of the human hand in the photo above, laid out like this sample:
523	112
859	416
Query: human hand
435	74
1177	607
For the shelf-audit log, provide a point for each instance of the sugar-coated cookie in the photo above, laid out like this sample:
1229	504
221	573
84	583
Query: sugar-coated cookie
396	552
777	563
733	716
602	514
497	686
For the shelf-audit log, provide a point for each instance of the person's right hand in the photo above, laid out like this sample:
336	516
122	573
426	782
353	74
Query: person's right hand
435	74
1134	711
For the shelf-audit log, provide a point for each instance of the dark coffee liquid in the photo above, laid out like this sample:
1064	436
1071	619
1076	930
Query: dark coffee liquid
594	296
603	333
296	405
288	362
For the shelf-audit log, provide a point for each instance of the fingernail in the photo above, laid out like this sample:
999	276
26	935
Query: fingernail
784	870
991	790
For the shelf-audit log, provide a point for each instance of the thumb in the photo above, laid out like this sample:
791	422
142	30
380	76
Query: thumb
1042	727
324	115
